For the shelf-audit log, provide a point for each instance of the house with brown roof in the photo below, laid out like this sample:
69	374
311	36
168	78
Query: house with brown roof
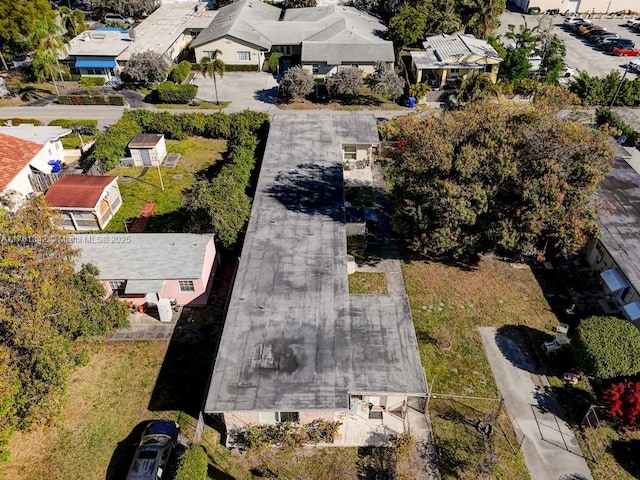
25	149
86	202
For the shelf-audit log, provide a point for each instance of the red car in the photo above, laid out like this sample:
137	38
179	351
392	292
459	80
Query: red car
626	52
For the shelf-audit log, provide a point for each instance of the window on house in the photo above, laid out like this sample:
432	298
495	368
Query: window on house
118	286
455	70
278	417
488	68
186	285
349	152
207	53
315	68
244	56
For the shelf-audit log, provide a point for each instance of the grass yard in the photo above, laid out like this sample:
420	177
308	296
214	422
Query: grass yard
448	304
367	283
198	154
107	399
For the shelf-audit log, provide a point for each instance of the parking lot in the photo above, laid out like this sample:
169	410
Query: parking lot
581	54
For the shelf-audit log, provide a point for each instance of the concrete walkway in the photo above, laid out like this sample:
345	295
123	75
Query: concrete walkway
550	448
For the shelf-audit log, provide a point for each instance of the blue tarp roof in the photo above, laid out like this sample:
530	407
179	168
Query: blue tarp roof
95	63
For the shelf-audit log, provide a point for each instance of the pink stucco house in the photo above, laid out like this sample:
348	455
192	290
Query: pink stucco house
152	266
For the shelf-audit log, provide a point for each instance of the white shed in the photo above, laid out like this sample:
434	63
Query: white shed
148	149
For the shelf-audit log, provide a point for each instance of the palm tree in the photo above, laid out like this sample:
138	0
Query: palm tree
476	86
72	21
484	14
49	44
212	65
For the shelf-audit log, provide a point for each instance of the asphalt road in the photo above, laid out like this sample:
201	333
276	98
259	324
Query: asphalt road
105	115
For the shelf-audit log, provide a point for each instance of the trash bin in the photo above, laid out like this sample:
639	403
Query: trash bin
412	102
55	165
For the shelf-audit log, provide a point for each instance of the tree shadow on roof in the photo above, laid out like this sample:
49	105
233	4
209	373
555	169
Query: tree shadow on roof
311	189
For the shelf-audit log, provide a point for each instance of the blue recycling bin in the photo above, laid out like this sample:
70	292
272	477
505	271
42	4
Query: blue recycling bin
412	102
55	165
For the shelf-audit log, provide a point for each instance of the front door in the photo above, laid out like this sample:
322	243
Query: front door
146	157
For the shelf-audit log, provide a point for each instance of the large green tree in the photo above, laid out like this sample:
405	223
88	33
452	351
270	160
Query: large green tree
607	347
407	26
481	16
72	21
18	19
49	46
521	44
46	306
495	176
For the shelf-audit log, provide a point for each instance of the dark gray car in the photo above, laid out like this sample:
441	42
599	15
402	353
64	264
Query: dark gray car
151	459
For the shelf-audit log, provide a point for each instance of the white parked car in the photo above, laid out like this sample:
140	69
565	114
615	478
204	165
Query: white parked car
632	22
634	65
571	20
567	71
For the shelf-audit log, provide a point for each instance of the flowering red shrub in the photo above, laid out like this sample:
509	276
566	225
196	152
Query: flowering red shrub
623	403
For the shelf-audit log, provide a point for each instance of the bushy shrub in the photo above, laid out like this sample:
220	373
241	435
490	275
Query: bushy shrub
83	127
20	121
180	72
91	100
92	81
607	347
274	62
623	403
169	92
296	82
240	68
111	146
610	122
193	464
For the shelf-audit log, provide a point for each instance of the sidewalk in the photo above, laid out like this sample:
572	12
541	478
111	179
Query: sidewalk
550	448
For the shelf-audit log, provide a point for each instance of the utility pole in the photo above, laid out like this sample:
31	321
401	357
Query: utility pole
615	97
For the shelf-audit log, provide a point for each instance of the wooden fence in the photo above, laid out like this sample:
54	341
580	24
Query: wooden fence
42	181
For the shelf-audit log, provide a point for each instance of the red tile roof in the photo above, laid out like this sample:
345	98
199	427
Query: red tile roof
15	154
77	191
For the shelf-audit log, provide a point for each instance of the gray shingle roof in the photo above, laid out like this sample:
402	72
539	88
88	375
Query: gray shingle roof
294	339
143	256
237	20
349	34
619	218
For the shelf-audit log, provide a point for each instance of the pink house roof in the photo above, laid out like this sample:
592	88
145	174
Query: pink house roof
15	154
77	191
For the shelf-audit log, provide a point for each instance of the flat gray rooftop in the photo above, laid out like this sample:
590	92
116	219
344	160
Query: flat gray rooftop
143	256
294	339
619	218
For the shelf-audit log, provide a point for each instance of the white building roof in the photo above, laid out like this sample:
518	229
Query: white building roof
99	43
36	134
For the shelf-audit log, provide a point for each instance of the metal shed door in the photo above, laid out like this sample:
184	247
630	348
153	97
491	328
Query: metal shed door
573	6
146	157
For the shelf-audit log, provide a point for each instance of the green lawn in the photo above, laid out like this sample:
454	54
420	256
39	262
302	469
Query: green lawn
367	283
198	154
448	304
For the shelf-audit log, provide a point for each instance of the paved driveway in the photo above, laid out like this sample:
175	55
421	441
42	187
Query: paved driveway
550	448
581	55
253	90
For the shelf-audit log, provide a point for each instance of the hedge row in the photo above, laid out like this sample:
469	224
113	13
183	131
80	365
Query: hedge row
83	127
111	145
180	72
20	121
241	68
117	100
92	81
169	92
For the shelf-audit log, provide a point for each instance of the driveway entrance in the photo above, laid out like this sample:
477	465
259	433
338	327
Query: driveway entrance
550	448
245	90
